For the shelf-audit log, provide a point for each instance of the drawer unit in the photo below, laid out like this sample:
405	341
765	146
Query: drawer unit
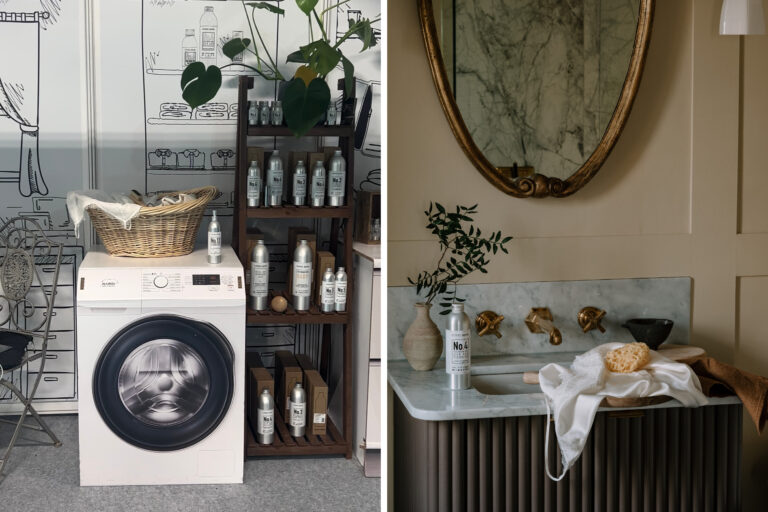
58	340
53	386
56	361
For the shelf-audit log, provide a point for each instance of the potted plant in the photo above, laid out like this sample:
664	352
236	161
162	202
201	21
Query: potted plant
306	95
463	251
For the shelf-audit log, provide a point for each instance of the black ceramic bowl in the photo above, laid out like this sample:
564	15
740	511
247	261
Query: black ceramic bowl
651	331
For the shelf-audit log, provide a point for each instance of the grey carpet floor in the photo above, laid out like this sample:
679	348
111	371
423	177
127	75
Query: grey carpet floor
44	478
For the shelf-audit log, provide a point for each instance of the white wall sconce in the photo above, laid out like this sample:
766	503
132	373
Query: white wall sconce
742	17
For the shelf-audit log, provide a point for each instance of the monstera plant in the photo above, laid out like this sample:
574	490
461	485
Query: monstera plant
306	95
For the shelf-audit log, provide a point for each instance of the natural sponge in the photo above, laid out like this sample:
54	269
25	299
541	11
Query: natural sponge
629	358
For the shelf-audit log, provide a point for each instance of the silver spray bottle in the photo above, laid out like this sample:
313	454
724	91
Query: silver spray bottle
337	177
259	276
302	276
327	291
318	185
214	240
340	291
265	418
300	184
275	179
457	352
298	411
254	184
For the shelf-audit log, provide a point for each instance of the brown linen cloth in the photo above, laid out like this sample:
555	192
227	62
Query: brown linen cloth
721	379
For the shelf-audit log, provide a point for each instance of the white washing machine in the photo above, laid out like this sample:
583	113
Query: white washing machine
161	369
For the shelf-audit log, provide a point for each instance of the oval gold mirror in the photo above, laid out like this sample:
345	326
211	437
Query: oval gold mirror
537	92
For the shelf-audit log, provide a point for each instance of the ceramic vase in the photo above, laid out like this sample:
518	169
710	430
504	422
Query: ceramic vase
423	343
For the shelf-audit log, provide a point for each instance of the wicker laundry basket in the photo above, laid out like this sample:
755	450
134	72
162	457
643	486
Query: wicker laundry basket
158	231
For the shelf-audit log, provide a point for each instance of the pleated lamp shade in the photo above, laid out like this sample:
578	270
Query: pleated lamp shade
742	17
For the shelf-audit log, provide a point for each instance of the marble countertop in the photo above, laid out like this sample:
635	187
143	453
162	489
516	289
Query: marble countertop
426	395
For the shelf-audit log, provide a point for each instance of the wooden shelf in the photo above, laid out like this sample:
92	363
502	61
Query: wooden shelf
332	443
290	316
297	212
317	131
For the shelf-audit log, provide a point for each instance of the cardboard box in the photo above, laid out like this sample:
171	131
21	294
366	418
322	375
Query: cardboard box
323	260
305	363
258	380
317	403
367	207
287	374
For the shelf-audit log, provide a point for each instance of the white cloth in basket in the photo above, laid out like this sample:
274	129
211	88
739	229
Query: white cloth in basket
118	206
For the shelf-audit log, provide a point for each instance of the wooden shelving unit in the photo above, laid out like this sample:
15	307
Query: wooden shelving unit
336	441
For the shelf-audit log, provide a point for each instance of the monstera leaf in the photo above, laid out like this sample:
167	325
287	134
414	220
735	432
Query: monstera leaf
235	47
304	105
200	85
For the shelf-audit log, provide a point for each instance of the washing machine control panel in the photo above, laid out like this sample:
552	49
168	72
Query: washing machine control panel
189	284
167	282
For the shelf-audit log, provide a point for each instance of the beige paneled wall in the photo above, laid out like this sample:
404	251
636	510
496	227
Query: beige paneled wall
689	173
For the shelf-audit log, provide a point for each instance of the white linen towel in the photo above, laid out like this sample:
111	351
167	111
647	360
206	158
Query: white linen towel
575	394
118	206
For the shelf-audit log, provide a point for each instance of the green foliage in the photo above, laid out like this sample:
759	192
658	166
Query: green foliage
464	250
200	85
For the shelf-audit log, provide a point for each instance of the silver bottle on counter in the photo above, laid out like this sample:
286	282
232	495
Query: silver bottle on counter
327	291
264	113
214	240
254	184
337	177
330	114
301	283
340	290
277	113
275	179
298	411
253	114
259	276
300	184
317	191
457	351
265	418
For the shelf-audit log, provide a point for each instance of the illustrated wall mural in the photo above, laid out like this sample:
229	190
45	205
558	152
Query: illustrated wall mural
90	98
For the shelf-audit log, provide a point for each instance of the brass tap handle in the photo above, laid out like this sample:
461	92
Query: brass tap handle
590	317
488	322
540	320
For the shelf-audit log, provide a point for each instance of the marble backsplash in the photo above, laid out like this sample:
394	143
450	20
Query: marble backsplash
622	299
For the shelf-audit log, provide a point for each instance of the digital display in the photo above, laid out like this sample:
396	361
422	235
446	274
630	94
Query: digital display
206	279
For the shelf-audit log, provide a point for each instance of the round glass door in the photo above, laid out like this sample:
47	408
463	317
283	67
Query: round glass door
164	382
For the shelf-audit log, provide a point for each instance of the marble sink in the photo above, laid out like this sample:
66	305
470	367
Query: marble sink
503	384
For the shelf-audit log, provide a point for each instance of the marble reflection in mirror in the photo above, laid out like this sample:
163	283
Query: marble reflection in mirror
537	81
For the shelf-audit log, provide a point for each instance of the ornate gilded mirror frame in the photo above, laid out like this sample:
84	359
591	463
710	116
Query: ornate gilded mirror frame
537	185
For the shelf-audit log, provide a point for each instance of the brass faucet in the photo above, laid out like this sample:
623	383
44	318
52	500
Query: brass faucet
488	322
540	320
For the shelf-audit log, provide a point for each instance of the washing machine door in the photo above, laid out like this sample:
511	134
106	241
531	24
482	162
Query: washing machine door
164	382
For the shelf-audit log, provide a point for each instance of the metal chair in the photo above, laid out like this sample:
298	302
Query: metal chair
23	296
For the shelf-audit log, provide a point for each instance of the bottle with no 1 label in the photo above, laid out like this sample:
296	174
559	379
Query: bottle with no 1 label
317	192
275	179
254	184
265	418
259	276
302	276
298	411
214	240
457	351
328	291
265	113
337	177
300	184
340	293
253	114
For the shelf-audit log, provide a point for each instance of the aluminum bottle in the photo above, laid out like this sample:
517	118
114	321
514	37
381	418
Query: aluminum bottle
340	290
214	240
254	184
298	411
337	177
457	352
302	276
253	114
259	276
300	184
264	113
317	192
275	179
330	114
277	113
265	418
327	291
